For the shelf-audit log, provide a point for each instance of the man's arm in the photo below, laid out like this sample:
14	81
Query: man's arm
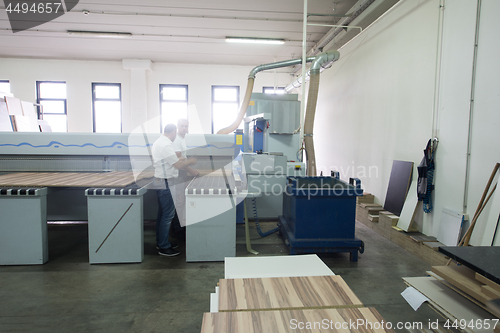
184	163
192	171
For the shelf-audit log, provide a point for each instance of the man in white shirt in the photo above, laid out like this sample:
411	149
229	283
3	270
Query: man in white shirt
167	166
180	148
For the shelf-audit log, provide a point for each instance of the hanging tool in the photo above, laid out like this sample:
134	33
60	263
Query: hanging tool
426	168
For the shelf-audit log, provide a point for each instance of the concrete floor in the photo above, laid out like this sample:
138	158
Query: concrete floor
162	294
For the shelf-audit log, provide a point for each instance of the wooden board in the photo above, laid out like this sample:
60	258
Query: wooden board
450	225
275	266
69	179
487	282
285	321
28	109
490	292
14	106
462	278
407	215
5	122
434	245
423	238
399	182
374	210
461	292
449	303
24	124
286	293
373	218
366	198
44	126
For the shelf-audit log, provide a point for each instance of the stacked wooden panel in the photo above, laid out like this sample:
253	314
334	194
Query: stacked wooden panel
284	304
286	293
468	283
69	179
321	320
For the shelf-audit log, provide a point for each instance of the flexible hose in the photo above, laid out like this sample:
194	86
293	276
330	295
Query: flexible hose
243	109
262	234
312	98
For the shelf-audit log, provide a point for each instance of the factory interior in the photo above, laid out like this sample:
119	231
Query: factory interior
343	166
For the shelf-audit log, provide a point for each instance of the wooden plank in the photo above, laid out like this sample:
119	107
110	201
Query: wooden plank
5	122
434	245
423	238
374	210
448	302
365	205
462	278
275	266
366	198
461	292
69	179
14	106
28	109
399	182
286	293
410	205
285	321
373	218
488	291
487	282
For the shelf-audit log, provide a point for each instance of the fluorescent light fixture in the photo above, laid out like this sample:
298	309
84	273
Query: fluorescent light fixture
105	34
251	40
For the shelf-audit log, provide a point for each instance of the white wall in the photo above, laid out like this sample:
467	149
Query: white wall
376	104
23	74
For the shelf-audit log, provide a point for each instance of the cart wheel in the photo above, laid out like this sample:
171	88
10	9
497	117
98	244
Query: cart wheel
362	248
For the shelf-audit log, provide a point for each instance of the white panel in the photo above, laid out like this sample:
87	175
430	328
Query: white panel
375	103
278	266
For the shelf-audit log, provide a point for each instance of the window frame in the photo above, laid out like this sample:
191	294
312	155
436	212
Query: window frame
273	88
6	81
213	101
169	85
94	99
39	99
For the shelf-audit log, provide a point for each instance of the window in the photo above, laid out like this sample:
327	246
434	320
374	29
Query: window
107	107
52	96
273	90
4	88
173	103
225	102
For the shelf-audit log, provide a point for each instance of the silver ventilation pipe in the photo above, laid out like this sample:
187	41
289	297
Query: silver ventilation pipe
321	61
335	31
298	82
248	93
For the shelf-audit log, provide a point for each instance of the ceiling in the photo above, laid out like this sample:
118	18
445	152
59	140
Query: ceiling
185	31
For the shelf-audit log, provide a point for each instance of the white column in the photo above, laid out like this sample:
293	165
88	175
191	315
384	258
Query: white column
138	91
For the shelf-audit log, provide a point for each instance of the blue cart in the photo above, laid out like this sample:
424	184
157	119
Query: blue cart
319	215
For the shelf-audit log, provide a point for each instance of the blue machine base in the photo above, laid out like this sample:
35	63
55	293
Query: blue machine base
320	245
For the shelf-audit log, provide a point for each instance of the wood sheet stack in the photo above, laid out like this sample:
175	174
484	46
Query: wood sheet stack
69	179
277	304
384	223
472	285
20	116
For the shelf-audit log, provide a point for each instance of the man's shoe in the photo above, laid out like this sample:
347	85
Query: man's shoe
170	252
172	245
